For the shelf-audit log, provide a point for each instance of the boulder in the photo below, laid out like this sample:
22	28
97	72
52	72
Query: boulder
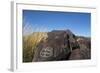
57	46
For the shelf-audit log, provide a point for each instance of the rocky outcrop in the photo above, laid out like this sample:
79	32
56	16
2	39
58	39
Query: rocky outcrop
85	47
62	45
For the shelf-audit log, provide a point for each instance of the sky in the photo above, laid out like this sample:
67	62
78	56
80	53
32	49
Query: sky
46	21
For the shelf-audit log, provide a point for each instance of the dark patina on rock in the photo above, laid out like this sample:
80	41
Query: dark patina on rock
57	46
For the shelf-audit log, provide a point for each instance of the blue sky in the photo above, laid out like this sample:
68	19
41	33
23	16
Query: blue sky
45	21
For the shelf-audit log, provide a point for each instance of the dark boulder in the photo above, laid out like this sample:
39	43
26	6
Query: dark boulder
62	45
57	46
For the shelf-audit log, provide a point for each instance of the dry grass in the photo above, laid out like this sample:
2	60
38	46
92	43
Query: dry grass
29	44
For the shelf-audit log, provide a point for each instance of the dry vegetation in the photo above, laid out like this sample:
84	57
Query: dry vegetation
29	44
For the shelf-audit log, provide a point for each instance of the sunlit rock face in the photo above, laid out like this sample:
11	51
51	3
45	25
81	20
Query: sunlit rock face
61	45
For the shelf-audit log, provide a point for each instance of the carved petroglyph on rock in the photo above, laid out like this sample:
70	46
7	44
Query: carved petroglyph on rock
46	52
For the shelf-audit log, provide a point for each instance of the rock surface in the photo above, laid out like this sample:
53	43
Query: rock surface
62	45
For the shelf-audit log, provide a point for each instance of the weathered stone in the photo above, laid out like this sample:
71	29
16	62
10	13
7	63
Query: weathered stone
84	50
75	55
85	47
57	46
62	45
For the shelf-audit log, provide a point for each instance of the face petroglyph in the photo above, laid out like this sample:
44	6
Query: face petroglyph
46	52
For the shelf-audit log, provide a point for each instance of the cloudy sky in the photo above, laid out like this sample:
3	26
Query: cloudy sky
45	21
